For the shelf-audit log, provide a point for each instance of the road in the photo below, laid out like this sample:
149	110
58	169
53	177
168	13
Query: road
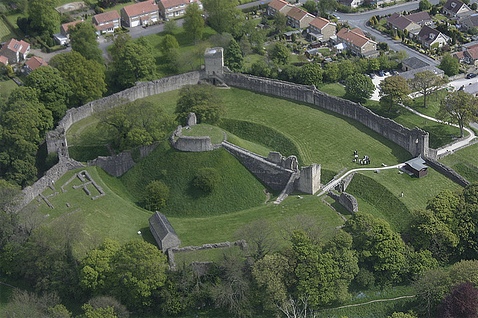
360	20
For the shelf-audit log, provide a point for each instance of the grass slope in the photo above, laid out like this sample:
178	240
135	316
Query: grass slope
465	162
237	189
379	193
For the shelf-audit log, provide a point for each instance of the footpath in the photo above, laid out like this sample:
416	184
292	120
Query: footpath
450	148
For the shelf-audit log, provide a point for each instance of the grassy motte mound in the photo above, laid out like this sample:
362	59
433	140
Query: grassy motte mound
200	130
236	190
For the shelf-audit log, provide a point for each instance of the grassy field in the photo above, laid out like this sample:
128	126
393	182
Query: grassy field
5	32
465	162
379	193
6	87
216	134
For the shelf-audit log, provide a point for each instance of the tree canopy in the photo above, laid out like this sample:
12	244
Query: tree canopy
86	78
43	16
449	64
460	108
394	89
426	83
193	21
223	15
201	100
83	40
53	91
359	87
233	56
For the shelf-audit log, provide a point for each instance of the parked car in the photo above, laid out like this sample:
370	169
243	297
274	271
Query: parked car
470	75
381	73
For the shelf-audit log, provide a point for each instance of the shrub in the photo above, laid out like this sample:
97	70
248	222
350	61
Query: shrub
206	180
156	195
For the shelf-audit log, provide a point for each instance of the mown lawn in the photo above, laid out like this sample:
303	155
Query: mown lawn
5	32
6	87
465	162
380	193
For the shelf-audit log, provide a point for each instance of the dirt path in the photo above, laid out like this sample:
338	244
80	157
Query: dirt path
375	301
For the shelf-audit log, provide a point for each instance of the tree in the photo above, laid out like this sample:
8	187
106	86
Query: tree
156	195
424	5
170	51
53	91
325	6
461	302
44	18
23	125
394	89
83	40
402	315
132	272
347	68
426	83
310	6
459	107
193	21
107	3
138	123
379	248
206	180
170	27
85	77
132	62
259	238
224	16
280	22
233	56
449	64
28	304
201	100
279	53
359	87
430	289
331	72
311	74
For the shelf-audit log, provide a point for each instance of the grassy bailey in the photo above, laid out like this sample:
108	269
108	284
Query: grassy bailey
237	190
379	193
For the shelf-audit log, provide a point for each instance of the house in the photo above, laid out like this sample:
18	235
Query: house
455	8
430	37
141	13
170	9
413	63
468	21
356	41
321	29
3	60
351	3
34	63
421	18
411	73
107	22
163	232
402	23
416	167
290	35
65	28
15	51
298	18
471	88
469	55
278	6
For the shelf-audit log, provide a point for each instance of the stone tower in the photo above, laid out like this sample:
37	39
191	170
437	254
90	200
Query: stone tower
214	61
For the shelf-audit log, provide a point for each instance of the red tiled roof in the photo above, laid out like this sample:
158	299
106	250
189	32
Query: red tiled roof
105	26
278	4
172	3
459	55
106	17
16	46
355	36
296	13
35	62
319	22
67	26
140	8
473	52
3	60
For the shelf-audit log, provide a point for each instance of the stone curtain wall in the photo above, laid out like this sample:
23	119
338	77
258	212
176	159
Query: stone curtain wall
271	174
447	171
56	138
414	141
49	178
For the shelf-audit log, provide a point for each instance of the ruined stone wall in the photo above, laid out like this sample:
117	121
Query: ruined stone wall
193	144
271	174
119	164
309	180
415	141
348	201
447	171
49	178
